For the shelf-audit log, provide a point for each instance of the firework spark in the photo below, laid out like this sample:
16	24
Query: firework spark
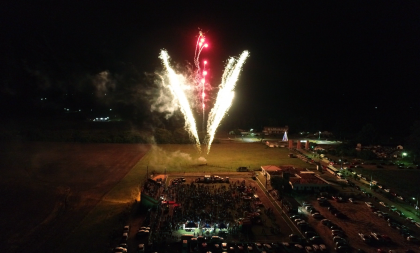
224	96
175	86
200	77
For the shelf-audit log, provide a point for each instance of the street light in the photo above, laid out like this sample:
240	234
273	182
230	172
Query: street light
319	135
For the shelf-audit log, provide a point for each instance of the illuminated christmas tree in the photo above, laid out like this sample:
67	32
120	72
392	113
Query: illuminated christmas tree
285	137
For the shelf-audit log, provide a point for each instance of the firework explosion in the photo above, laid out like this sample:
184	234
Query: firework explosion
175	86
224	96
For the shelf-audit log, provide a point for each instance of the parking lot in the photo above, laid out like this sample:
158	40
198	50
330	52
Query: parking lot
364	222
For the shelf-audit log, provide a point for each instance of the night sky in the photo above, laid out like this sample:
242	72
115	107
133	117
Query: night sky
333	65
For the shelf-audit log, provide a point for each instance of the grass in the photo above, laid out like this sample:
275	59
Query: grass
222	157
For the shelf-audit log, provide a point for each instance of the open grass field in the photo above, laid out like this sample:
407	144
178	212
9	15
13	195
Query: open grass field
48	188
222	157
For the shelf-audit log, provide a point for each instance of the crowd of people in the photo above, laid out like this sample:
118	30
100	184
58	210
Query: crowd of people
204	208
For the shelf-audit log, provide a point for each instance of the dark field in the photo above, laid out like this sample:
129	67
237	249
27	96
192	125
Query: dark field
48	188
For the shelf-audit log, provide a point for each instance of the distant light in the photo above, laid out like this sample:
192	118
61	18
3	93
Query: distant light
68	109
80	110
110	109
105	94
205	62
404	154
376	107
205	45
42	99
45	98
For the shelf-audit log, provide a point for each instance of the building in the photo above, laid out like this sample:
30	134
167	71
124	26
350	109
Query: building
299	179
271	170
308	182
275	130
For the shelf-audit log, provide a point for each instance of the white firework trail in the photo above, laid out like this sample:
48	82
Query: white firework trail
224	96
175	86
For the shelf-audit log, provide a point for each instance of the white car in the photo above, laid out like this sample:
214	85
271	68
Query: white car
316	247
120	249
412	239
309	249
417	224
387	190
383	204
410	220
369	204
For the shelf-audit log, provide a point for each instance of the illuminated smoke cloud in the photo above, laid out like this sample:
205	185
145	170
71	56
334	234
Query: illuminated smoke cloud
202	160
161	159
103	83
164	102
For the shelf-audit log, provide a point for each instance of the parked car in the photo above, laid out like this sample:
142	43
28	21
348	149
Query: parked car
412	239
383	204
308	249
376	236
326	222
323	248
337	232
120	249
338	239
317	216
364	237
369	204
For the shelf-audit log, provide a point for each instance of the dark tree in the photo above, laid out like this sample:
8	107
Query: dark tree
368	135
413	140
